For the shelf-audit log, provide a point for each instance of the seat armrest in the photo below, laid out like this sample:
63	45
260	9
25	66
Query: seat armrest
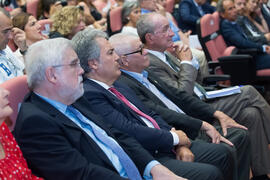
213	79
250	51
241	68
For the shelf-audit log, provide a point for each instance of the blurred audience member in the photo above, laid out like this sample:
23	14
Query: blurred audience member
130	14
10	66
247	23
12	163
265	10
30	26
46	8
67	22
92	16
192	10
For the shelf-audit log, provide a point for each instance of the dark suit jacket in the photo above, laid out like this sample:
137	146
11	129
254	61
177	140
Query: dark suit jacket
189	14
56	148
266	16
193	107
246	24
122	117
233	37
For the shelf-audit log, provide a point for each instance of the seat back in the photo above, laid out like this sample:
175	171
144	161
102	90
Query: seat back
18	88
114	20
210	38
31	7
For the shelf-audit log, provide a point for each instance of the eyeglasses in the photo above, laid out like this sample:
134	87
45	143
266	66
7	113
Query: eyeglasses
138	51
165	30
74	64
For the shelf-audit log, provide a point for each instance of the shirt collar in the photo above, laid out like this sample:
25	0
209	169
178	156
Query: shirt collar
100	83
58	105
196	4
138	76
144	11
160	55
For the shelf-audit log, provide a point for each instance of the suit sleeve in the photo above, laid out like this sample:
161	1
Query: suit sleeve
133	148
260	39
233	37
51	155
189	125
184	81
185	11
143	134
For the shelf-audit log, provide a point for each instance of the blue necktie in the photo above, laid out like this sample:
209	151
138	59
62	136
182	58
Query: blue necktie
127	163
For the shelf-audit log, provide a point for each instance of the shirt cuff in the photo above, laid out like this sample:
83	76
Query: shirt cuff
175	138
264	48
194	62
147	175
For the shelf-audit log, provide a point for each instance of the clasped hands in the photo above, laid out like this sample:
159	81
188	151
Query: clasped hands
182	150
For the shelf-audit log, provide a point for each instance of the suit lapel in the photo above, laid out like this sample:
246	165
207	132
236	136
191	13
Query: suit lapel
118	103
73	130
144	89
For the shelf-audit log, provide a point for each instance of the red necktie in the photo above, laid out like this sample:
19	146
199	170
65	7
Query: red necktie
140	113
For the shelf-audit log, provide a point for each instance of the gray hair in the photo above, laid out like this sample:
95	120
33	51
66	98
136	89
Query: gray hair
128	6
85	45
220	7
121	42
41	55
145	25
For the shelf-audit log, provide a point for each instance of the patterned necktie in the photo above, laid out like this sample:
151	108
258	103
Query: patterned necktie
140	113
127	163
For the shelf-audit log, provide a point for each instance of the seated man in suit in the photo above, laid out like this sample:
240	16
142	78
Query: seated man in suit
248	108
192	10
63	140
235	36
125	112
175	106
148	6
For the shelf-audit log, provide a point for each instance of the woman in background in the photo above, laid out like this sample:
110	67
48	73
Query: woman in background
67	22
30	26
12	163
131	12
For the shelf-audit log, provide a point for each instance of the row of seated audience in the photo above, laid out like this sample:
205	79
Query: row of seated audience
197	139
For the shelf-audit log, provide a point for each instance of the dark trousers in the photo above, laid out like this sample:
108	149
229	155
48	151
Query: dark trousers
212	162
240	150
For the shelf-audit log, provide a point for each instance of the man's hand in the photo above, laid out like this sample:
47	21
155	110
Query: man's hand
214	134
184	36
184	154
267	49
19	38
226	122
183	139
160	9
160	172
182	51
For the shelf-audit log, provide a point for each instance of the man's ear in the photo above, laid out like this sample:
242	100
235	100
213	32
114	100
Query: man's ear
50	74
93	64
222	15
124	61
149	38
